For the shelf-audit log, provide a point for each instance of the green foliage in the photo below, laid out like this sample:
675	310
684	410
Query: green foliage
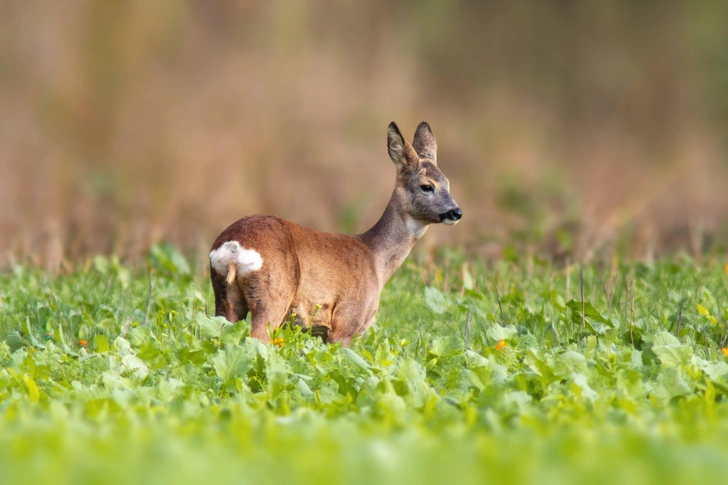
458	383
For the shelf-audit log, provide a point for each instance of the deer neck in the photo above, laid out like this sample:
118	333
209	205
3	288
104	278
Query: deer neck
392	237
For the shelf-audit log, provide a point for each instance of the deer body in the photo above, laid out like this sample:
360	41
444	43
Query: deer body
276	269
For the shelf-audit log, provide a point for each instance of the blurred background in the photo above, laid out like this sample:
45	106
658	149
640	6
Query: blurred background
567	128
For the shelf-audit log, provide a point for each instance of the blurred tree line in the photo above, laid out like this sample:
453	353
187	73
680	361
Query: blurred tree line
563	125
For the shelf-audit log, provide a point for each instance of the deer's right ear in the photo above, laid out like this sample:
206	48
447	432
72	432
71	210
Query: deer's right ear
424	142
400	151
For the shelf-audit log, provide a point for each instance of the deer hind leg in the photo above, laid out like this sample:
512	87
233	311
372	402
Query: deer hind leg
229	300
269	297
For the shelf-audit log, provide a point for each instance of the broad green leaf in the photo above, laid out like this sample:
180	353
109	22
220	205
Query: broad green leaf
668	349
196	357
713	370
122	346
435	300
704	311
32	388
14	341
570	363
498	333
231	362
446	346
581	382
663	338
356	359
303	388
476	360
210	327
673	384
519	399
589	310
134	367
673	355
102	345
233	333
410	370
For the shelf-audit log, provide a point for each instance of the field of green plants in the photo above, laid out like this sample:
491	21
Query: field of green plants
474	372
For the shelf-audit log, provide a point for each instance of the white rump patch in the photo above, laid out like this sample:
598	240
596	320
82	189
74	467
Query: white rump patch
246	260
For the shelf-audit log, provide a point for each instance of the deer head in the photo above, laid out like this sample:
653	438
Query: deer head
422	190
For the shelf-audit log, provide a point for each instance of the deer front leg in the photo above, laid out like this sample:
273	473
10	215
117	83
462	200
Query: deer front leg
263	319
348	322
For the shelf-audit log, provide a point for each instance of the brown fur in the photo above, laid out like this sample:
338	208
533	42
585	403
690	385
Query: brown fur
332	282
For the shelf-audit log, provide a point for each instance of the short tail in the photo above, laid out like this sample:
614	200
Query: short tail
232	273
231	260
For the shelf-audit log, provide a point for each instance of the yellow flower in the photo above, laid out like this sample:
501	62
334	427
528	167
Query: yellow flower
82	343
725	266
277	341
500	345
725	351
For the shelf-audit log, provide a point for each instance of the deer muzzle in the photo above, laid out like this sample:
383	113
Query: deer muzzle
452	216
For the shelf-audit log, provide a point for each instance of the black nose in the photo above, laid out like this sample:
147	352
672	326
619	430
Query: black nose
451	215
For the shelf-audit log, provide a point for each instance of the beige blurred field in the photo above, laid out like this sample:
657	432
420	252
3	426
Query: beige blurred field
567	128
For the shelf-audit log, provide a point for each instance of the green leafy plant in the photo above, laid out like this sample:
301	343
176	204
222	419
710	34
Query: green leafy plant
500	375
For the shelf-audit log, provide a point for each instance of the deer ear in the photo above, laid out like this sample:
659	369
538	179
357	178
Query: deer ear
424	143
400	151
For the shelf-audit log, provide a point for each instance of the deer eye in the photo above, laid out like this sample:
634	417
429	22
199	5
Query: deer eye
427	188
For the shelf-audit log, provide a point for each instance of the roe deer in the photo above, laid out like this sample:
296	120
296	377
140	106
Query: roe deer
330	282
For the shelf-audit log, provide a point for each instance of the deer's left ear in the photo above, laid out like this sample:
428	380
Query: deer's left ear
424	143
400	151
